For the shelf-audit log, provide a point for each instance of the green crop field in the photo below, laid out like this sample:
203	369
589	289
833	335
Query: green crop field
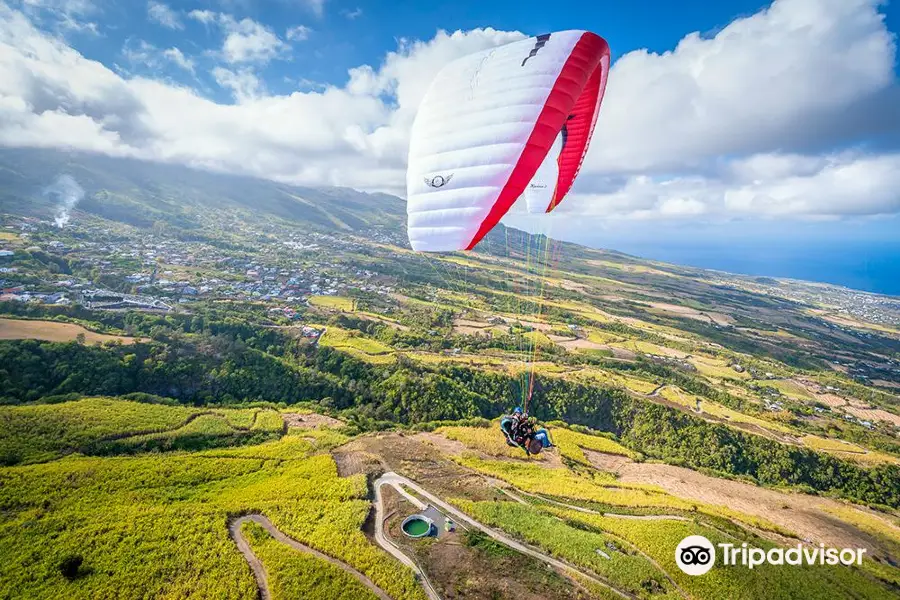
293	574
362	347
155	525
45	431
571	442
334	302
108	426
657	538
626	570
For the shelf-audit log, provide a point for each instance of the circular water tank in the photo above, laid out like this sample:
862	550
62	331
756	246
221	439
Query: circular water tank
417	526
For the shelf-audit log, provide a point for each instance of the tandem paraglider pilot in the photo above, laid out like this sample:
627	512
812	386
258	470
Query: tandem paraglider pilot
520	432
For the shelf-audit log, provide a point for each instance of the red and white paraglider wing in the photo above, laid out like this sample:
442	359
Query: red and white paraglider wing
487	123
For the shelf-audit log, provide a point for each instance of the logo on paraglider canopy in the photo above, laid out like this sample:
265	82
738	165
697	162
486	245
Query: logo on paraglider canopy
540	42
438	180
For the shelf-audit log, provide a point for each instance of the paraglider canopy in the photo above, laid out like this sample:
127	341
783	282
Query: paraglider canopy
485	128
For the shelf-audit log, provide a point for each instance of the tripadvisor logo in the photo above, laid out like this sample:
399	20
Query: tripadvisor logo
696	555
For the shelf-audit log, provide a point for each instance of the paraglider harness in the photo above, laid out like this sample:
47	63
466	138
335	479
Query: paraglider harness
520	433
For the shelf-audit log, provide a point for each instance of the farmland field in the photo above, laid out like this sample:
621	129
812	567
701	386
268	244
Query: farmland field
334	302
173	508
52	331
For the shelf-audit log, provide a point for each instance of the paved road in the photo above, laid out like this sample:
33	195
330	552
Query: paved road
399	481
234	528
386	544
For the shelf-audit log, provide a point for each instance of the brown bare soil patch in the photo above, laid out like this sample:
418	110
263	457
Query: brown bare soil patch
415	457
800	513
52	331
622	353
469	327
560	338
830	400
582	344
459	571
310	421
883	383
873	414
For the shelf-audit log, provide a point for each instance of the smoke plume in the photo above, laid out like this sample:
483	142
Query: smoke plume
67	193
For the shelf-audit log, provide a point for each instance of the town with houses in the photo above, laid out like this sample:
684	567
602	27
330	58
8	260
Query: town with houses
160	274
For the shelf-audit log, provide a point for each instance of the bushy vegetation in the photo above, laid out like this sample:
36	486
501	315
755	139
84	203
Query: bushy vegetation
292	574
155	525
624	568
41	432
45	431
657	538
223	369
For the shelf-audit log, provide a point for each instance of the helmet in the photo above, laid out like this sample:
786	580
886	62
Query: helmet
517	410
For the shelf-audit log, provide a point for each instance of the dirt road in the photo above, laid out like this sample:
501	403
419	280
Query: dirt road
805	515
234	529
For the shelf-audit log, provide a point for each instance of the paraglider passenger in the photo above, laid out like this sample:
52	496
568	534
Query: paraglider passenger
519	430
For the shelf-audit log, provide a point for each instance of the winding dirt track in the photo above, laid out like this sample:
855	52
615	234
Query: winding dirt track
234	528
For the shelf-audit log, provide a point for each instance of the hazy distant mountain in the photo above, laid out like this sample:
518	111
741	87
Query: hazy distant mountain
140	193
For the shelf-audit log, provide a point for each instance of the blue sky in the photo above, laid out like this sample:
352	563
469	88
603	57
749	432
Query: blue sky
343	35
777	117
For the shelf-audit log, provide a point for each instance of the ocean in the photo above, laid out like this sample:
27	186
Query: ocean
872	266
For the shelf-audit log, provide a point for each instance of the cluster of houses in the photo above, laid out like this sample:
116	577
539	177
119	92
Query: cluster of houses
20	294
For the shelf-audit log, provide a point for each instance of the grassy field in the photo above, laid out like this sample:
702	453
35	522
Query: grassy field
41	432
634	384
575	536
52	331
624	569
293	574
571	442
487	440
847	450
361	347
657	538
715	368
687	400
791	389
641	347
155	525
341	303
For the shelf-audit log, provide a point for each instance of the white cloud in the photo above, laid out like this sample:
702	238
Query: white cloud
316	7
753	122
207	17
246	40
64	16
787	77
352	14
759	186
141	56
244	85
177	56
162	14
298	33
249	41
